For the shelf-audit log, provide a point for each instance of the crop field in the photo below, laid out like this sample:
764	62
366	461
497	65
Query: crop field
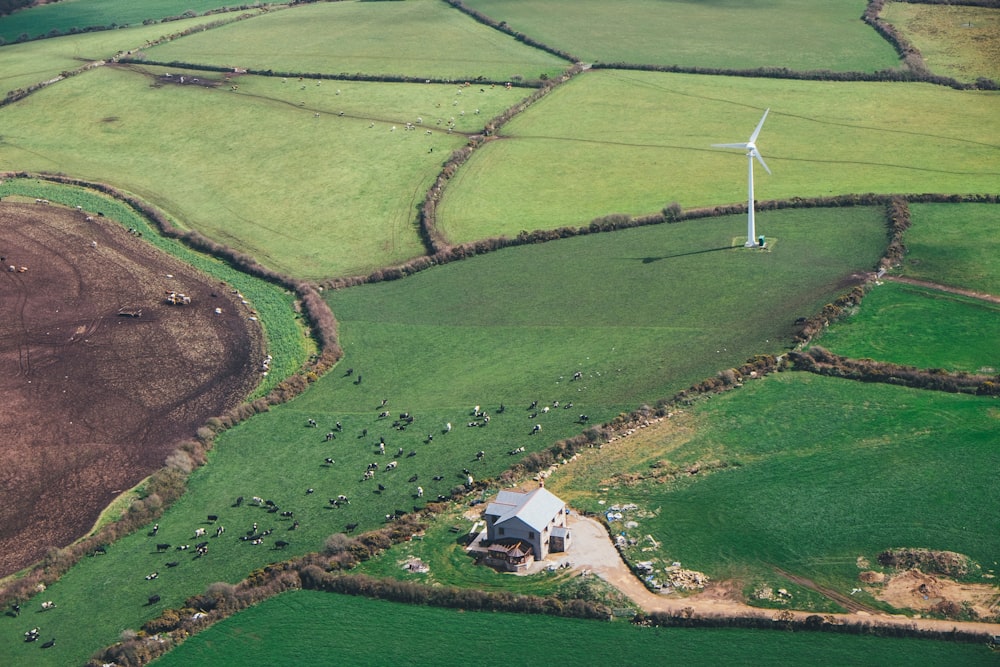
320	178
325	625
66	16
428	39
921	327
282	328
789	467
961	42
632	142
782	33
954	245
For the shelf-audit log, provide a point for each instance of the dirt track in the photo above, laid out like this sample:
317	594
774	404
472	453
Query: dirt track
95	401
593	550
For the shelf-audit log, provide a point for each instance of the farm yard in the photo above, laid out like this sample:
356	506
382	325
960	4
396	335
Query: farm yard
438	230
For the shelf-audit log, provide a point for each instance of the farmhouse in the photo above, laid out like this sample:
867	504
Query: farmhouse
524	526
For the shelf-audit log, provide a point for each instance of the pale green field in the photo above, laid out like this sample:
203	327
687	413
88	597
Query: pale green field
632	142
956	41
422	38
22	65
738	35
308	196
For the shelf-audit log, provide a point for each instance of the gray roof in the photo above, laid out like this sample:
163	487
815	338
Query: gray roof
535	508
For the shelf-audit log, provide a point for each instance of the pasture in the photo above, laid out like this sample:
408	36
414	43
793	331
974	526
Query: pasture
307	627
318	178
956	41
425	39
788	465
955	245
633	142
33	62
745	35
921	327
315	194
500	328
64	17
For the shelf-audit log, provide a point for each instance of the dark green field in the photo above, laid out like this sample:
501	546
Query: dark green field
309	628
921	327
808	473
73	15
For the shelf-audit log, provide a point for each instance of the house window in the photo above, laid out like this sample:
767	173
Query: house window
500	531
531	535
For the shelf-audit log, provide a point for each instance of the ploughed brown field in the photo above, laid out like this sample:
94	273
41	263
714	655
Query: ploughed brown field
92	398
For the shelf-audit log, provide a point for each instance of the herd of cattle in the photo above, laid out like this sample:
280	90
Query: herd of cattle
254	535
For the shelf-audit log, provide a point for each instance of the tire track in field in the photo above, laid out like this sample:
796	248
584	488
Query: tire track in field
845	601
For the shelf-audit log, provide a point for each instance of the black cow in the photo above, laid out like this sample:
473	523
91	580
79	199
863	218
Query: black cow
173	563
212	518
162	547
50	643
153	599
350	527
280	544
239	501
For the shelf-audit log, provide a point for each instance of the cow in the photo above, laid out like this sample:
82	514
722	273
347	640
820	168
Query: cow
162	547
50	643
350	527
412	479
173	563
212	518
152	575
48	604
239	501
199	532
280	544
152	599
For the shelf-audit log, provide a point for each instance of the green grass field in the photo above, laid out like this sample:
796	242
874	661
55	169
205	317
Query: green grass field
632	142
255	168
827	470
508	327
421	38
809	474
68	14
33	62
961	42
954	245
307	628
920	327
773	33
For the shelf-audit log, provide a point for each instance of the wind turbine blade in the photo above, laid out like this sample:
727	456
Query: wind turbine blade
753	137
761	160
730	146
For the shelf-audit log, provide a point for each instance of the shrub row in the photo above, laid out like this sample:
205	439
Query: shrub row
503	27
786	620
823	362
989	4
444	253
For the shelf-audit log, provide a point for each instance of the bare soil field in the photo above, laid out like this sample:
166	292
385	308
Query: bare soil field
100	376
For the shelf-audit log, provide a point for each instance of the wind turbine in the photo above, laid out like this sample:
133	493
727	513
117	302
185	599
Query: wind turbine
752	152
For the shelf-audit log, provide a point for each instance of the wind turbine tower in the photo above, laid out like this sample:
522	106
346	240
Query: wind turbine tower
751	148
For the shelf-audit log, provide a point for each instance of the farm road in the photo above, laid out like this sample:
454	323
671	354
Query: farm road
593	550
982	296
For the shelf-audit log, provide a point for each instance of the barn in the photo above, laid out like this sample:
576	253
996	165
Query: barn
526	526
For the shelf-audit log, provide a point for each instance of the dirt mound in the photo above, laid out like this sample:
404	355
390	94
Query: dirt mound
872	577
947	563
94	400
920	591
